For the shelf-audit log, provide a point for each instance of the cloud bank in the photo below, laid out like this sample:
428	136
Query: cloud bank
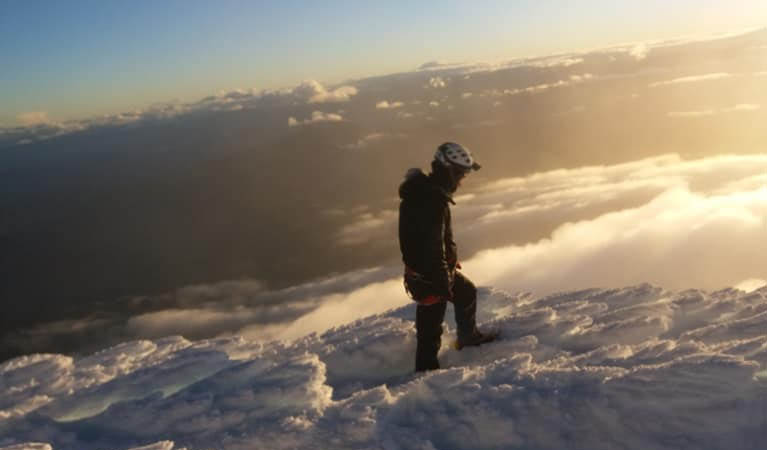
38	127
665	220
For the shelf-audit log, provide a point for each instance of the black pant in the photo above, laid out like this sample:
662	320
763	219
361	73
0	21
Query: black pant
428	322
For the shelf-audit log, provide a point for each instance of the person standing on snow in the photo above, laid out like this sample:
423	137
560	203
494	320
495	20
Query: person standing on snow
430	257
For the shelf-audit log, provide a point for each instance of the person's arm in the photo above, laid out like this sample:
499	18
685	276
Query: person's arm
436	258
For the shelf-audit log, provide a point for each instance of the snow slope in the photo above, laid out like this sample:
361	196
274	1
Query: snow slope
639	368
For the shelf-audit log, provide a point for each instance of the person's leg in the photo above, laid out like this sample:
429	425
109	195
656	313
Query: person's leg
465	305
428	325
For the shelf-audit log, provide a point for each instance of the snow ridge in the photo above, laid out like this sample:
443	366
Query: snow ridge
638	367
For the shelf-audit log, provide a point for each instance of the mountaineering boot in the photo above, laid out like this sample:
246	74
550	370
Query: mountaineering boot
475	339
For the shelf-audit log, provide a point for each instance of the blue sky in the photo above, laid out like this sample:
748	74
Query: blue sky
84	57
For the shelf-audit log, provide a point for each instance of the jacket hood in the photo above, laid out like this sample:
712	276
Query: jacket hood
419	185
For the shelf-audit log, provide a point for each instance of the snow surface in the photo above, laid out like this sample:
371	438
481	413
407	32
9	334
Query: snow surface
638	367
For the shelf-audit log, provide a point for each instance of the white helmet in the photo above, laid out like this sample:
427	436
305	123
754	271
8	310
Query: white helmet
454	155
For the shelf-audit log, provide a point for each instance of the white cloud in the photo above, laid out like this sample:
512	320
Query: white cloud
188	322
558	62
639	51
580	78
703	113
433	65
344	308
574	110
37	127
363	142
466	95
33	118
466	69
314	92
32	446
162	445
751	284
494	93
574	79
479	124
247	307
681	238
384	104
369	139
317	116
744	107
693	79
366	227
434	104
437	82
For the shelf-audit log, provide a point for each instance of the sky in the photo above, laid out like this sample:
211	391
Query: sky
79	59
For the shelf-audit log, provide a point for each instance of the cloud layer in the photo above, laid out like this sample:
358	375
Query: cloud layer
38	127
668	221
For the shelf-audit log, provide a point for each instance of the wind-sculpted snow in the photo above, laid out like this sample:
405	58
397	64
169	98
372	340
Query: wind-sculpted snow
637	368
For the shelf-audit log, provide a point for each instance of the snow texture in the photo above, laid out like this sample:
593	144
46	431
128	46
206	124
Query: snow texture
633	368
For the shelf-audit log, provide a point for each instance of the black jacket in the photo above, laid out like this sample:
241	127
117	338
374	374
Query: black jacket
426	233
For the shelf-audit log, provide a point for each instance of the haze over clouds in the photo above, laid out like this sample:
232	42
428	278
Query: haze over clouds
280	189
33	118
